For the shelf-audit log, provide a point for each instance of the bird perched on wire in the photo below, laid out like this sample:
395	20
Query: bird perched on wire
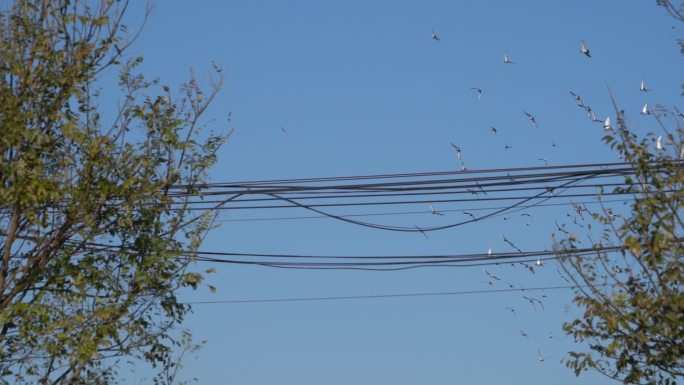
584	49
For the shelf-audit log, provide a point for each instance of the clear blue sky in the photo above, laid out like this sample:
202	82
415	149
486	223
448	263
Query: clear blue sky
361	88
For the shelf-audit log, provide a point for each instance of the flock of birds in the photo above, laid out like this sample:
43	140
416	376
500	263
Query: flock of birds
606	124
492	279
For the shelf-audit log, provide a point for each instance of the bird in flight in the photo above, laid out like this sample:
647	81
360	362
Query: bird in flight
524	334
479	92
531	118
577	99
458	150
545	160
434	36
642	87
528	267
606	125
469	213
507	146
645	111
659	143
432	209
421	231
679	113
493	129
492	276
584	49
540	357
507	60
511	309
592	115
284	131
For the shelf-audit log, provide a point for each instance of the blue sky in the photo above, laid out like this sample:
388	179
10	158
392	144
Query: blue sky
361	88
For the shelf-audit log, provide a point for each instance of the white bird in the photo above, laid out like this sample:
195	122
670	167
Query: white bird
432	209
642	87
531	118
659	143
489	252
540	357
458	150
584	49
434	36
479	92
492	276
539	262
606	125
645	111
507	60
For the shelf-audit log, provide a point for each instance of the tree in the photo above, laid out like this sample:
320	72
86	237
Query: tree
96	235
633	322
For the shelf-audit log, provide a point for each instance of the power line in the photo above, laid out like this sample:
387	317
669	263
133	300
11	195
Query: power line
387	296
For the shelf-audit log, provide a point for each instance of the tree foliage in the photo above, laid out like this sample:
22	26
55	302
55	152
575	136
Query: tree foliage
633	321
95	236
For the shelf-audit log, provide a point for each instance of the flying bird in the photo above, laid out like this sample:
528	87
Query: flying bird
528	267
508	146
606	125
421	231
432	209
479	92
524	334
511	309
645	111
592	115
434	36
493	129
284	131
545	160
469	213
458	150
659	144
507	60
679	113
642	87
492	276
531	118
540	357
577	99
584	49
